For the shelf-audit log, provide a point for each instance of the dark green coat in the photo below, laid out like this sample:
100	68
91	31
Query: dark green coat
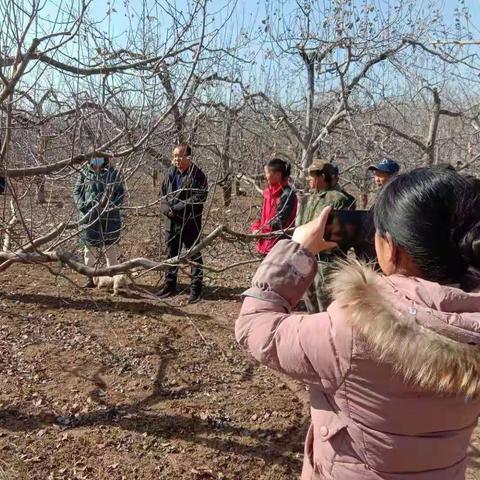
317	201
103	219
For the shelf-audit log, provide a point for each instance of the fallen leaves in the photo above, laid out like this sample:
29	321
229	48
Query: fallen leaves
169	407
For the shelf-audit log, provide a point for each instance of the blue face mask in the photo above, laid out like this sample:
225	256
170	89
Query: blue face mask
96	162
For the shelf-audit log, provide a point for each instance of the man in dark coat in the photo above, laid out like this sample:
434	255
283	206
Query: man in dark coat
184	191
98	195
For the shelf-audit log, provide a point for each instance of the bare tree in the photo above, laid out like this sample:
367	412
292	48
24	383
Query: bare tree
71	92
346	81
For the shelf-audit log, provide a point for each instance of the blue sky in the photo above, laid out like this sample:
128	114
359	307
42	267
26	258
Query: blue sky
254	9
118	16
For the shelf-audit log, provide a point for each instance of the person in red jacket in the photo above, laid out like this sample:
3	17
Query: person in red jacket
279	204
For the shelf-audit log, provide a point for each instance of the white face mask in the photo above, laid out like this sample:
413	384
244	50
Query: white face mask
96	161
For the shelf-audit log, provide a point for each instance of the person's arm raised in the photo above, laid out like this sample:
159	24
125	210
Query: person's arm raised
299	345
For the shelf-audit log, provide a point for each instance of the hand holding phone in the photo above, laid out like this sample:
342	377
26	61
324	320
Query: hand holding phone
311	235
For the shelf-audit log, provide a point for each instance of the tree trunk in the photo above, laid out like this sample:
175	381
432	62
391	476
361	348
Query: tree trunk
177	114
41	179
307	159
429	154
364	200
155	178
307	150
227	192
226	164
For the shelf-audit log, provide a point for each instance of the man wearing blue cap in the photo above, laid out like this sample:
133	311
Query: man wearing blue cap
384	171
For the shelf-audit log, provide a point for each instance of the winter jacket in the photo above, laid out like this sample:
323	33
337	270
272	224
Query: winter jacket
187	201
278	212
352	202
98	196
317	201
393	367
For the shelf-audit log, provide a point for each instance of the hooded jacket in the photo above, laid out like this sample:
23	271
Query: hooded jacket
103	226
393	367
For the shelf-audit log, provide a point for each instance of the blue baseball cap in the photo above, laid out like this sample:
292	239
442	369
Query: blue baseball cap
386	165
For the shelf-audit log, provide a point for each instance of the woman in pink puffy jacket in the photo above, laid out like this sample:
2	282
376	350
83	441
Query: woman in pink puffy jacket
393	366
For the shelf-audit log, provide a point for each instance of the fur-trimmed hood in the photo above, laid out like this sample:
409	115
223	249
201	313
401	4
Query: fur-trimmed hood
430	333
367	422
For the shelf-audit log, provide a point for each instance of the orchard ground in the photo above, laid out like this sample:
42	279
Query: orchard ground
94	386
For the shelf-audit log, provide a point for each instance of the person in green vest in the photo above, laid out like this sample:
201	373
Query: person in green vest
322	193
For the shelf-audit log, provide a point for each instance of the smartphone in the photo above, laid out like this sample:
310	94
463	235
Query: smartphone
3	185
353	229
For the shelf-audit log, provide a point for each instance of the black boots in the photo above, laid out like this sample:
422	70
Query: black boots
167	291
170	290
195	296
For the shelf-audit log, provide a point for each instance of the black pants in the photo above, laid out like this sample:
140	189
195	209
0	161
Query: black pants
186	235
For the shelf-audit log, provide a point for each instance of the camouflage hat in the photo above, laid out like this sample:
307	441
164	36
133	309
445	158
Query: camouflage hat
322	166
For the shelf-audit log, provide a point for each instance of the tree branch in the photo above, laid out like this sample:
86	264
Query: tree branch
401	134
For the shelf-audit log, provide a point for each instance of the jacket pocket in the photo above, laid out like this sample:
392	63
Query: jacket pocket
330	432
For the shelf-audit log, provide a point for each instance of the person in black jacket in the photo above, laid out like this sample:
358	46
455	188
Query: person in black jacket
184	191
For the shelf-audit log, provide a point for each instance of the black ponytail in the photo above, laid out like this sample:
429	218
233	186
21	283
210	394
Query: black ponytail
470	246
475	182
434	215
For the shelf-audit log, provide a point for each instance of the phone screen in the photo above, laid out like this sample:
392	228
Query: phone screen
352	229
